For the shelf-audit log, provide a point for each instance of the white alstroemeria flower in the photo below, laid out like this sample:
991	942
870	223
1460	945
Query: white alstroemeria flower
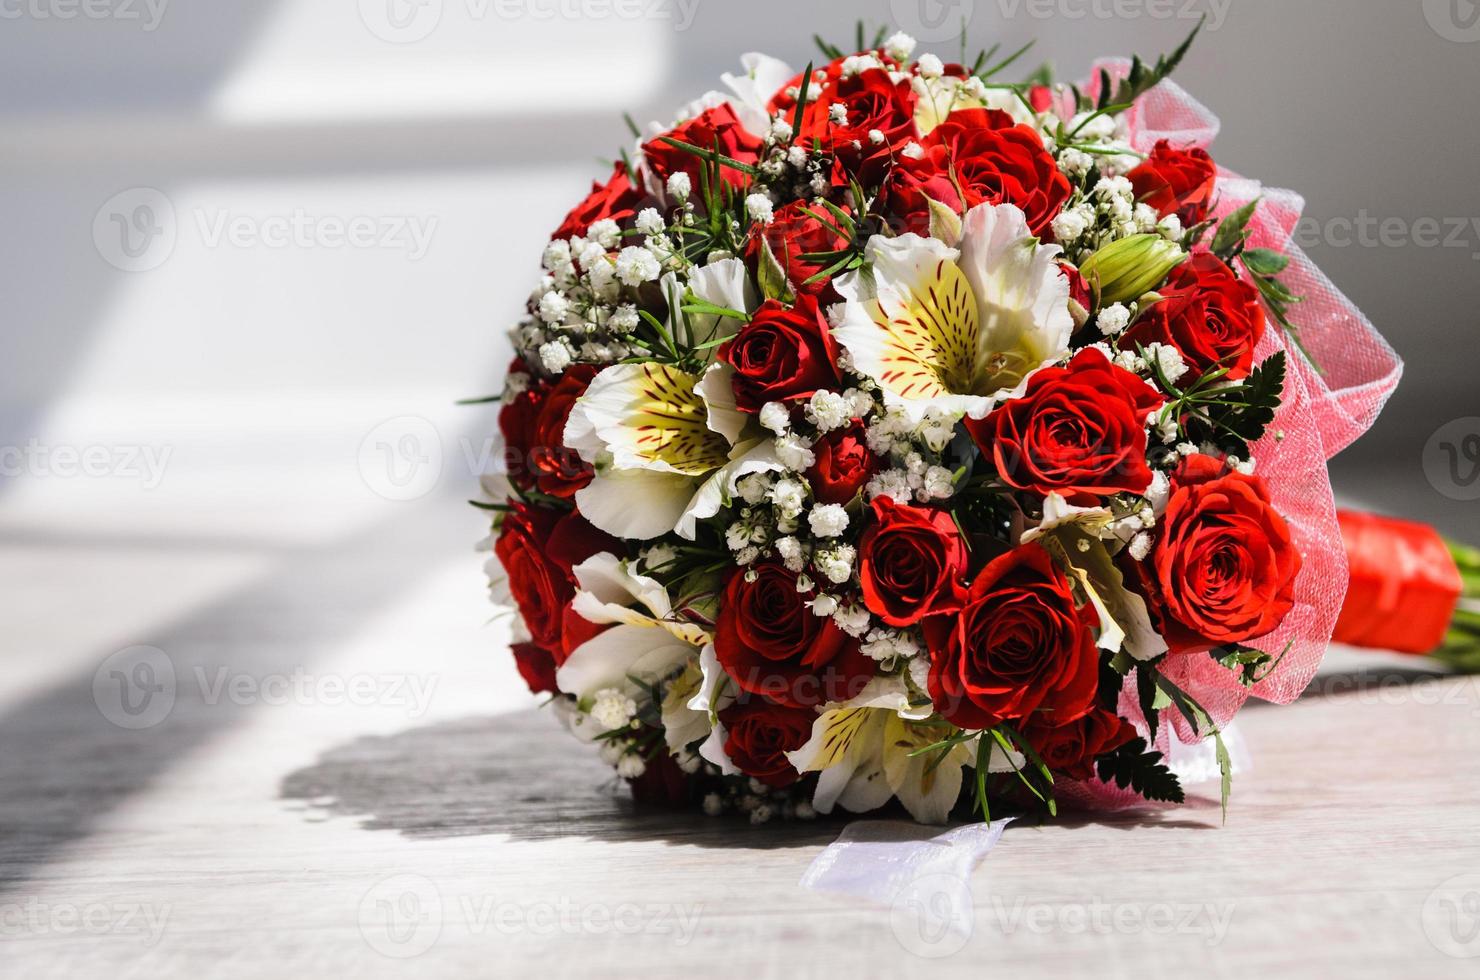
957	330
862	750
618	658
725	284
749	95
941	96
654	438
608	590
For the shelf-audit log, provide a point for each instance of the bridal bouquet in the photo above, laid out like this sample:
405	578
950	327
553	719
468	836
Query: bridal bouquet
890	431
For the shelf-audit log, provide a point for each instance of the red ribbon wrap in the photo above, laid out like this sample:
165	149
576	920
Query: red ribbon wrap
1405	585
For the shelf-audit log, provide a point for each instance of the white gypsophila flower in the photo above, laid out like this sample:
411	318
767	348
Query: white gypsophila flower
789	497
603	279
679	186
836	563
829	410
857	64
1169	359
612	709
860	402
930	66
689	762
838	113
631	766
754	488
899	46
748	556
597	353
804	811
780	129
1164	424
828	520
937	429
1075	163
912	150
1115	188
625	318
776	417
1069	225
606	231
760	208
516	383
760	813
876	137
824	606
589	254
819	184
611	751
894	484
795	452
1246	467
1186	449
1141	546
1171	227
797	157
853	620
650	222
791	552
636	265
1113	319
1130	361
1147	218
940	484
555	356
557	257
553	307
714	804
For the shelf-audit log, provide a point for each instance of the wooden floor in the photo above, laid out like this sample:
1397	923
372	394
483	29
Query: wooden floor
346	780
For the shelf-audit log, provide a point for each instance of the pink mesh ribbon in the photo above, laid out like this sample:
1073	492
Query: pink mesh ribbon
1323	412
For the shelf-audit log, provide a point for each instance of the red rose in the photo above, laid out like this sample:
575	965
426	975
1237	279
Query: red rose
536	666
873	101
1071	750
573	539
795	232
662	783
560	471
1078	431
758	734
844	465
517	421
909	562
1223	569
715	129
1018	647
1208	314
617	199
541	588
997	161
1177	182
782	354
772	644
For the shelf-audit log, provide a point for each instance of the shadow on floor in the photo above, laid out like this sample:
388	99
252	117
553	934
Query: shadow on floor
518	775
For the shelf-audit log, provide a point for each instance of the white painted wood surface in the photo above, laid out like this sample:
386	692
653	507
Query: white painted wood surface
449	829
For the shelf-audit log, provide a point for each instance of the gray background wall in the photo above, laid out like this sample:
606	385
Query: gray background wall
262	367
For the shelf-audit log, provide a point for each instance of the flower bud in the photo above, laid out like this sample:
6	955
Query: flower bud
1123	271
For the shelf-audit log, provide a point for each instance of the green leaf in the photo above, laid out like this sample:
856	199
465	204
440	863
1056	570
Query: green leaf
1265	261
1007	61
713	156
1234	231
491	399
983	763
1136	767
1225	770
772	277
1142	79
796	121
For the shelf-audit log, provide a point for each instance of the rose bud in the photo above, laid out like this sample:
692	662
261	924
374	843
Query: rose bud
844	465
1179	182
909	562
1124	271
1224	566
